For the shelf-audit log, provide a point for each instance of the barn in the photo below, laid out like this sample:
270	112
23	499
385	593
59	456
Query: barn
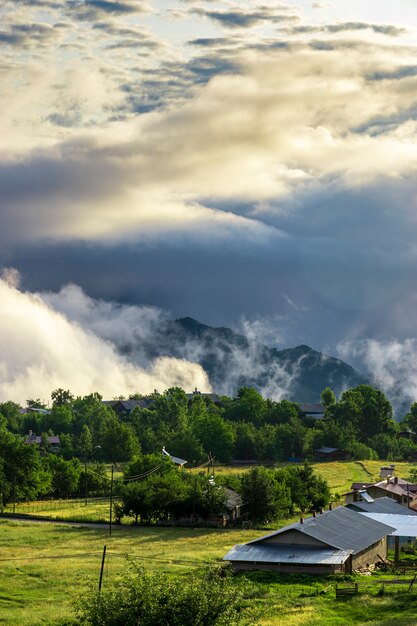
337	541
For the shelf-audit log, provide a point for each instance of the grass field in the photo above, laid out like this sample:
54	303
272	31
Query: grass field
340	475
45	567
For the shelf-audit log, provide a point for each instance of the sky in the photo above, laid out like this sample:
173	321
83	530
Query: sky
246	164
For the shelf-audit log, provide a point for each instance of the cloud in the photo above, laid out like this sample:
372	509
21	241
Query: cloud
94	9
42	349
239	18
382	29
392	366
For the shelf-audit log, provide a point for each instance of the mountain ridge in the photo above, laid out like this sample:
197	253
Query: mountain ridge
232	360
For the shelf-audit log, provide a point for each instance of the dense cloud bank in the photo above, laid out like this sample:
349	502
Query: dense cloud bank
42	349
214	160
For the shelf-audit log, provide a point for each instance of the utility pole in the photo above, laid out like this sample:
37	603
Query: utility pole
86	483
102	568
111	498
194	494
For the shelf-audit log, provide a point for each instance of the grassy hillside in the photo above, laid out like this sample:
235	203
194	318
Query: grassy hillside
45	567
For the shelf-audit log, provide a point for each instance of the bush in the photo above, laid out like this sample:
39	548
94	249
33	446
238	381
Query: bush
155	600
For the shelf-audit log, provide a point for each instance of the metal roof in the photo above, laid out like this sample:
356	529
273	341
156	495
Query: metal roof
312	408
327	450
286	554
174	459
340	528
382	505
403	525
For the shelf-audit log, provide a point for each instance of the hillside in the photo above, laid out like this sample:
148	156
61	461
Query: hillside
231	360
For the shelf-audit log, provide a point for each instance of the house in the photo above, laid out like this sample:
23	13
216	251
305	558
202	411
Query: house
330	454
396	488
405	526
233	505
53	440
123	408
337	541
314	410
381	505
210	396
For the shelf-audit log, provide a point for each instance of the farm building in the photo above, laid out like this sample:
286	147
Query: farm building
330	454
396	488
405	526
337	541
380	505
52	440
314	410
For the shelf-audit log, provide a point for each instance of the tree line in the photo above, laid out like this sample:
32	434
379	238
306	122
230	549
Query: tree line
247	427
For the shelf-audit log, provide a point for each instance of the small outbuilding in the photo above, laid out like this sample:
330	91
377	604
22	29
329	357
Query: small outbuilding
330	454
337	541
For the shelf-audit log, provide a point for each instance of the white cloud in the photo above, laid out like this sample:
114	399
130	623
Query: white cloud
42	350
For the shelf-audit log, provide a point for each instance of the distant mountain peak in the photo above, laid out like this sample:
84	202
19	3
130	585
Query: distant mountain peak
231	360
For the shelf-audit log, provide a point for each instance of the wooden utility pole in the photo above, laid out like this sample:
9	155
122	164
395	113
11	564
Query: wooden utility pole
102	568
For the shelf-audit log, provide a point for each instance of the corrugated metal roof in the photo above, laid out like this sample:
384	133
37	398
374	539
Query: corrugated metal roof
404	525
286	554
340	528
382	505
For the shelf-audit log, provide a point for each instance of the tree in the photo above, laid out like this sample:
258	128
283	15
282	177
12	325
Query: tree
65	475
118	441
281	412
13	416
307	490
328	399
367	410
409	420
61	397
263	499
216	435
21	471
248	406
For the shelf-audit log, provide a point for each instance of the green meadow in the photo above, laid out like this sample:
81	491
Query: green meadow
45	567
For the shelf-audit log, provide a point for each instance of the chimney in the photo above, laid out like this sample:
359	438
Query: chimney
321	510
396	480
330	506
301	520
314	514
